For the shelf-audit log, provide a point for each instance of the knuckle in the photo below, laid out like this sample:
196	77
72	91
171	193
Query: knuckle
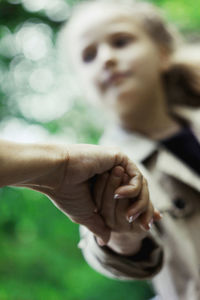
120	157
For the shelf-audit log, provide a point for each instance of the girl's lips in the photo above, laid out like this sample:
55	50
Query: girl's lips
116	78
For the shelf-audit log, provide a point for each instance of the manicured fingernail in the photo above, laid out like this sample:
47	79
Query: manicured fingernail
130	219
133	218
118	196
150	224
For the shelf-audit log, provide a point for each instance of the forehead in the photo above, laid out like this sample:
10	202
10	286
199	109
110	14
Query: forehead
96	21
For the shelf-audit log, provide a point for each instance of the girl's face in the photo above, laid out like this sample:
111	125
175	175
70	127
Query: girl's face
115	56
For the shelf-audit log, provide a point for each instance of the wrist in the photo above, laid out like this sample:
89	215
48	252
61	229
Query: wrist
48	166
32	164
126	243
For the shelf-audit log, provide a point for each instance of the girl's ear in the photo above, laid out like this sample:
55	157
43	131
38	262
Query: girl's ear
165	59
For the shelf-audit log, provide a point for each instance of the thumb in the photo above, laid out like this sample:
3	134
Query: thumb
100	230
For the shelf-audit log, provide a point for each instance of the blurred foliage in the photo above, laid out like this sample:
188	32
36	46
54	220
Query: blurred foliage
39	258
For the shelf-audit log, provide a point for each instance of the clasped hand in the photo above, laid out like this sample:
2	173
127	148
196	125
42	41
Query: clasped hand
128	212
86	182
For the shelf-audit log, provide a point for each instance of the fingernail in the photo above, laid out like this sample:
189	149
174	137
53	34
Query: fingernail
96	210
150	224
133	218
130	219
118	196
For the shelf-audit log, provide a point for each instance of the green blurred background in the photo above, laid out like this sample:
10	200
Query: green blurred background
39	257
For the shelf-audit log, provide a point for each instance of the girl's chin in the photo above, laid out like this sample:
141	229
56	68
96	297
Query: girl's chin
122	92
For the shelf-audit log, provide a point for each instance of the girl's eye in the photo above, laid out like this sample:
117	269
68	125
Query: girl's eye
89	55
122	41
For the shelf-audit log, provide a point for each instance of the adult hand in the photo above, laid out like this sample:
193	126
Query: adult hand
74	195
67	173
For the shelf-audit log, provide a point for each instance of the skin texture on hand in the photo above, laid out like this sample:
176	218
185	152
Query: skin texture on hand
67	175
74	196
118	211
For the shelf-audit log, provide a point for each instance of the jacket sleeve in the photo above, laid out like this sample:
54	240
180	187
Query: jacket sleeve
145	264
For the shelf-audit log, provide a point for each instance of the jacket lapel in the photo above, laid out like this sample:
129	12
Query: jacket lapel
171	165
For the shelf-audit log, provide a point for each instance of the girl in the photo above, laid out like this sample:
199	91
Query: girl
139	68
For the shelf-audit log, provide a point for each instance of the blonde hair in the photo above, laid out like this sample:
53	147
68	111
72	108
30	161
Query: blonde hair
182	79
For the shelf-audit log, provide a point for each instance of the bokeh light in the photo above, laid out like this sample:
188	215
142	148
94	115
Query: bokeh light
34	40
43	108
18	130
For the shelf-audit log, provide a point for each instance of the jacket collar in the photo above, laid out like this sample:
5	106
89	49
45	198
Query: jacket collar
139	147
136	146
171	165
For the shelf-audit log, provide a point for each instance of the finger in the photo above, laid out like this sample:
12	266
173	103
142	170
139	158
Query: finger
120	215
146	219
125	179
121	208
109	202
134	173
141	205
98	190
131	189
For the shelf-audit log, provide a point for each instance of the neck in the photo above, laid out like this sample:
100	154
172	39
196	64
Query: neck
151	119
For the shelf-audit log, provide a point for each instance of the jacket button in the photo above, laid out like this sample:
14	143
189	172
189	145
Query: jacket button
179	203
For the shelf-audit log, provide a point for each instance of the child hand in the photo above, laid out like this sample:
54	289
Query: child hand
123	209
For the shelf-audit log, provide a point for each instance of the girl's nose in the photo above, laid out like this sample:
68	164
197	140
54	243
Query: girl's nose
107	57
